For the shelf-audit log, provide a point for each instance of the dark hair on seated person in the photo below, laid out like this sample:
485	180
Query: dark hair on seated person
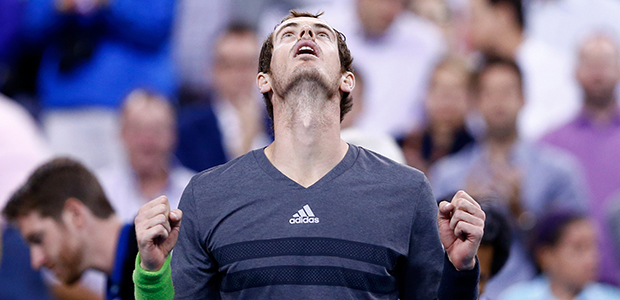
497	234
51	185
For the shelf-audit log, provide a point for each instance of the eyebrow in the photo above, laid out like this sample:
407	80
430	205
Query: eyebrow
295	24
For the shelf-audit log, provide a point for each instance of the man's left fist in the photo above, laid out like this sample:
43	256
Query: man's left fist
461	226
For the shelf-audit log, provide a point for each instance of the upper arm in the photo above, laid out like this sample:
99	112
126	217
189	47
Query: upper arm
193	268
425	258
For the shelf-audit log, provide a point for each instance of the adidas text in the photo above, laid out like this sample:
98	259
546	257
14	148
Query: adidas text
304	216
303	220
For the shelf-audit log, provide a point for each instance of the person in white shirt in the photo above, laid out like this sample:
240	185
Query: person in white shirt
148	131
550	90
378	142
237	104
22	147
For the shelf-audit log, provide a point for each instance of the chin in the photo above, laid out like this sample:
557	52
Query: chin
69	279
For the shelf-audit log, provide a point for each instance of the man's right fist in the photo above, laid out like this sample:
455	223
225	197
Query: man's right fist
157	231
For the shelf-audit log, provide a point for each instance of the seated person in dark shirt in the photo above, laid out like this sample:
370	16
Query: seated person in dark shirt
445	107
69	225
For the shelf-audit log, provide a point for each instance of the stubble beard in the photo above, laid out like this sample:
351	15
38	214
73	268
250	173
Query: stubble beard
69	261
305	97
600	99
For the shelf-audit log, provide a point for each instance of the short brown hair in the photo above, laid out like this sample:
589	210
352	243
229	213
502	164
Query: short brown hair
49	187
264	63
496	61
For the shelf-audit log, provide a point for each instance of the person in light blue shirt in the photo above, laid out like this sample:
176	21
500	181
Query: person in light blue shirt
566	251
528	178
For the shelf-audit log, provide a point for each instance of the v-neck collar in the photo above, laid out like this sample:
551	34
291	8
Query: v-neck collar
263	162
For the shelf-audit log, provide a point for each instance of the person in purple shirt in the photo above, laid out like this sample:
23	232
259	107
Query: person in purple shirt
594	138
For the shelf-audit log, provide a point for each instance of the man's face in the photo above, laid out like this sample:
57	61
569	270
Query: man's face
378	15
236	58
52	245
149	135
447	99
305	48
500	98
482	25
573	261
599	70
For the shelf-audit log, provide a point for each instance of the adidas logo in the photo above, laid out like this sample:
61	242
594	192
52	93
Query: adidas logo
304	216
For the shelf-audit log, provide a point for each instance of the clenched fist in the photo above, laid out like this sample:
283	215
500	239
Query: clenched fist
461	226
157	231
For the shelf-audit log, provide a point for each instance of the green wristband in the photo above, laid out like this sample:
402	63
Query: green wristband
153	285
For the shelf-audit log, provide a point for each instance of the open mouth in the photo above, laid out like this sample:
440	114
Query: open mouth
307	48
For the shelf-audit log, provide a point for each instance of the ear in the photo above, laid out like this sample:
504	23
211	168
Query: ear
348	82
74	213
263	81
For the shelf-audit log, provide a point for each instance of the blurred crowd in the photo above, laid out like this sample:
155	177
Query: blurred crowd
514	101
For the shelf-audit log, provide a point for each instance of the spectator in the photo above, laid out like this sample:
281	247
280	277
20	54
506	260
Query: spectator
96	52
212	133
148	130
594	135
565	24
446	107
397	52
550	93
63	214
380	143
22	148
197	25
566	251
449	15
529	178
494	249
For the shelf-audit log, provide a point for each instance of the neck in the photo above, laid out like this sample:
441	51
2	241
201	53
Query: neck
601	114
152	182
104	241
562	291
501	142
508	45
307	142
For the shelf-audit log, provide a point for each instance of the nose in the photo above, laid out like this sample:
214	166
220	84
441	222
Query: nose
307	33
37	258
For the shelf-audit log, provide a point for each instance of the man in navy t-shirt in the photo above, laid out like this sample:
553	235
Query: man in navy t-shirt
309	215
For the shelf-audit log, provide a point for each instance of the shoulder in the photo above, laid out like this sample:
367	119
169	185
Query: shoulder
536	289
455	163
379	166
229	173
553	158
561	135
602	292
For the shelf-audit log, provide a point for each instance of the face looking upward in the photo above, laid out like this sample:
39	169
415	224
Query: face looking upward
305	50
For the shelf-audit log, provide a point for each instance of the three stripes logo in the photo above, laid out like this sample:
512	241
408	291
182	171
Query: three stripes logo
304	216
